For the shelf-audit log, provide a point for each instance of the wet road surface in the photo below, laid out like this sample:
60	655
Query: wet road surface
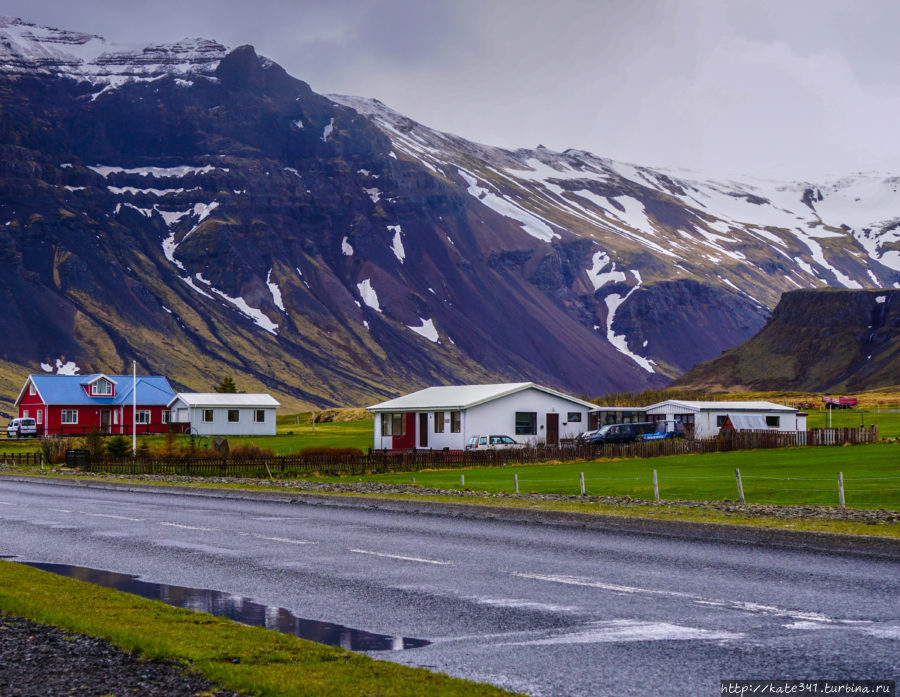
543	609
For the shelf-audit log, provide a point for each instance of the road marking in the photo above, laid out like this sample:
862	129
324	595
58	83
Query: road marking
7	503
188	527
618	631
116	517
284	539
699	600
61	510
402	558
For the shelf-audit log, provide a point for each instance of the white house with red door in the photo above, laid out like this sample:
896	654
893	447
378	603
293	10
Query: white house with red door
447	416
76	404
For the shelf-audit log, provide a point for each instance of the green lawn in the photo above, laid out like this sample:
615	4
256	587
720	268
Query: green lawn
888	422
783	476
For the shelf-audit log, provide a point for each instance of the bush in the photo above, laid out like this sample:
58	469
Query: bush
249	451
54	449
118	446
93	442
330	452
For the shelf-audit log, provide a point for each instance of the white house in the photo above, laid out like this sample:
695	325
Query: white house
447	416
706	419
222	414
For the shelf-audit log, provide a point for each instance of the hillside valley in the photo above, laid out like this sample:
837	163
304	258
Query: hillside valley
197	210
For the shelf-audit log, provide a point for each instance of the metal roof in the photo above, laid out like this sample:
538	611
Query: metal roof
719	406
225	399
68	390
459	397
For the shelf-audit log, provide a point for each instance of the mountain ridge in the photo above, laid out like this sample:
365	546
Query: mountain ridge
336	252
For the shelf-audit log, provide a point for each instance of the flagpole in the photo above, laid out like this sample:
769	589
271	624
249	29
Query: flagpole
134	408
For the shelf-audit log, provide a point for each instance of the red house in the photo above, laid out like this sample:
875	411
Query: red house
77	404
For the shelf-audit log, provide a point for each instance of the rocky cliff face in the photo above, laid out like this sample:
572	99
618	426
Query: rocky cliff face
204	213
824	340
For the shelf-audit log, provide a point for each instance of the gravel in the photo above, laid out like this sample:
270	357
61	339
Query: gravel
38	660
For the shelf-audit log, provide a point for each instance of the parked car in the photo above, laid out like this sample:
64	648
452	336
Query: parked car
21	428
492	443
619	433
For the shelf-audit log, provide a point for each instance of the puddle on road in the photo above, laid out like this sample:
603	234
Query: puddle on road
239	609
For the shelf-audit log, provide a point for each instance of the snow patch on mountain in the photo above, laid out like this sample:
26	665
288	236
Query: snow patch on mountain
326	132
275	290
397	243
598	277
426	330
159	172
368	294
374	194
346	249
531	224
620	341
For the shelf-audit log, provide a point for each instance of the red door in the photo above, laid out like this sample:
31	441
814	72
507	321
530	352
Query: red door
552	429
423	430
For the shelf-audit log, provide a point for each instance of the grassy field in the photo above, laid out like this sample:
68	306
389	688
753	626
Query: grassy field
251	659
888	421
784	476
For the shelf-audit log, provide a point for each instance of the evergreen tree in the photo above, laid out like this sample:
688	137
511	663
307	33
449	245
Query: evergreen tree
227	386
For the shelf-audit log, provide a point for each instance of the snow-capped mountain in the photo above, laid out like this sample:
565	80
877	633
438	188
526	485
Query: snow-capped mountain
203	212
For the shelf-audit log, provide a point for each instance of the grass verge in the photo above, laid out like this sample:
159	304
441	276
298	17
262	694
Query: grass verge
250	659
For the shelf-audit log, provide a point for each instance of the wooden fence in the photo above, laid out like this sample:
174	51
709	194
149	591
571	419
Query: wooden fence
20	458
383	461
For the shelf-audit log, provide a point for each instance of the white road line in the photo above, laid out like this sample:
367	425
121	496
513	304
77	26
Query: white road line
188	527
117	517
402	558
284	539
697	599
7	503
61	510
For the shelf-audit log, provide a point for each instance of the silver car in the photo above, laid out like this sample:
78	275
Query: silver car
22	428
496	442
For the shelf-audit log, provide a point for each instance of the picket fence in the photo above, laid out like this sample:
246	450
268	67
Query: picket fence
384	461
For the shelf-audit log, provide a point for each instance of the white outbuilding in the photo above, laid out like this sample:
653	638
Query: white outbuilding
447	416
706	419
224	414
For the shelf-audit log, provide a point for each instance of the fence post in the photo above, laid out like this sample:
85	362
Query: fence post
841	488
516	481
582	483
737	475
655	487
462	481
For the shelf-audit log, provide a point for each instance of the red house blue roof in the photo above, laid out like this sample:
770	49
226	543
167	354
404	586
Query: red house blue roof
152	390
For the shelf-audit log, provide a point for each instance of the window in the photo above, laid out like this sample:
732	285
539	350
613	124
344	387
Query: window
234	416
142	416
526	423
773	421
720	420
69	416
31	389
102	388
25	412
207	416
573	417
438	422
259	416
393	425
455	421
115	417
165	416
40	416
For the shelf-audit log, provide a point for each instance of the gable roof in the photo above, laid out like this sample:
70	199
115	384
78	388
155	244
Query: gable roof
68	390
225	399
721	406
459	397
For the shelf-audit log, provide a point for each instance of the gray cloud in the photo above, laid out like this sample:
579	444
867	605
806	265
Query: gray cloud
796	89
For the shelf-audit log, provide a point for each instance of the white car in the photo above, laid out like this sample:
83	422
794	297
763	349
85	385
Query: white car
22	428
491	443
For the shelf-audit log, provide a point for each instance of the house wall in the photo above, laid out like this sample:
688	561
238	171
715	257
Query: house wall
89	417
705	420
496	417
220	426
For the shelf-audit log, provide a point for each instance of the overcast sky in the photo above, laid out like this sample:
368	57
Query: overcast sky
780	88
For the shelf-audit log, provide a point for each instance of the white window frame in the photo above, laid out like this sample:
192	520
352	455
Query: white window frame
25	414
72	415
166	416
237	416
31	389
140	416
204	412
97	393
259	416
40	417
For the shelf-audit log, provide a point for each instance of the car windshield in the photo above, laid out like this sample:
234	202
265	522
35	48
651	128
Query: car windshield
603	430
28	422
507	440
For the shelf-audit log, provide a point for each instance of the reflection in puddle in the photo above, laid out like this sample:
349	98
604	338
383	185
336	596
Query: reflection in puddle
239	609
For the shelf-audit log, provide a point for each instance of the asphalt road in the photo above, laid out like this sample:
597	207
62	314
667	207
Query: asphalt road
543	609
